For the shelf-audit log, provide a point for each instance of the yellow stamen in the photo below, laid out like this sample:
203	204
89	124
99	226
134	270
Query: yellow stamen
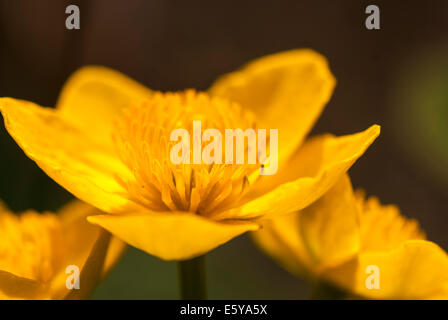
142	138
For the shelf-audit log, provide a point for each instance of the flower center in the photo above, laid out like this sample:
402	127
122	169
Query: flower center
142	138
30	244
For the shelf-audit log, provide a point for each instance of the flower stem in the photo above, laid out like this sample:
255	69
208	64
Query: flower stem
192	279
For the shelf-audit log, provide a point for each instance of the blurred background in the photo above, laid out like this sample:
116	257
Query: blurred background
396	76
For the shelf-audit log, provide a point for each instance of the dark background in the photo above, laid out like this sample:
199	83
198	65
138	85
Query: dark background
396	76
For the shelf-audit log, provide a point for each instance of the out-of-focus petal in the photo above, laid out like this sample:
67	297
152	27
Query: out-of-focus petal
280	239
329	228
92	269
322	235
13	287
87	247
417	269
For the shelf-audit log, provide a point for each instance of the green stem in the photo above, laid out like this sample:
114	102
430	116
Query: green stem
192	279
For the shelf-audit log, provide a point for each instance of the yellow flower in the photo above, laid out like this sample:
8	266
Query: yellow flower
36	249
107	140
354	243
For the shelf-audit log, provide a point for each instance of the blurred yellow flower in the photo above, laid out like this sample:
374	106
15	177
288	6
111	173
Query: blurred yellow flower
106	142
358	245
36	249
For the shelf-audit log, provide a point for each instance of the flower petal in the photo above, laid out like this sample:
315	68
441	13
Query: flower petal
74	219
94	95
66	154
14	287
172	235
280	239
91	272
417	269
95	252
322	235
329	228
317	166
296	83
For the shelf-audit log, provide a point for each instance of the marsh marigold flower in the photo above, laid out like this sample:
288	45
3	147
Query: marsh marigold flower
107	142
36	249
344	238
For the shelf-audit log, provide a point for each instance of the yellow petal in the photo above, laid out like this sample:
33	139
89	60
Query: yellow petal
286	90
91	272
317	166
322	235
171	235
74	219
87	247
329	228
442	294
281	240
66	154
13	287
80	243
93	96
115	252
417	269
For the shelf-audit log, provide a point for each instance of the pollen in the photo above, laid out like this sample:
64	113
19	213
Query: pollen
142	139
31	244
